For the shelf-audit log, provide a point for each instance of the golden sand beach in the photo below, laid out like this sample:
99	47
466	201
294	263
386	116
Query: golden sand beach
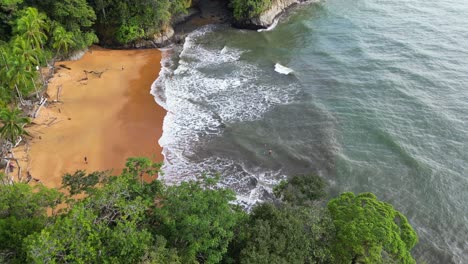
105	118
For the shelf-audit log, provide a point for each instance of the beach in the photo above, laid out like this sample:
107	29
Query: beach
105	114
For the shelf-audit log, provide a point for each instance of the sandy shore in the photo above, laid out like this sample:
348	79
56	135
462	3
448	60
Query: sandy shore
106	119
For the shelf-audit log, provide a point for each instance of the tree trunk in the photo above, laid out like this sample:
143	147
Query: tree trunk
35	88
19	95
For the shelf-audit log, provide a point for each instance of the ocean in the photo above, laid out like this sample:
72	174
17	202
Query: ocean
377	102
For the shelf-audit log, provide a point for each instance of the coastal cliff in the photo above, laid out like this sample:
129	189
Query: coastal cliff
267	17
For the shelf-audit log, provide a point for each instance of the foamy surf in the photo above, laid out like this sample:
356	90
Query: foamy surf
282	69
202	99
271	27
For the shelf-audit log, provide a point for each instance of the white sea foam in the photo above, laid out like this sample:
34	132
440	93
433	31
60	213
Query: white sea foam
203	89
271	27
282	69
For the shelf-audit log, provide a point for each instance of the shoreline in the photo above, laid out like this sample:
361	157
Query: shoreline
105	115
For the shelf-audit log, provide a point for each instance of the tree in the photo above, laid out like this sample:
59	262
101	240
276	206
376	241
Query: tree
196	219
13	124
21	48
85	236
80	181
107	226
284	234
23	211
368	229
62	40
28	58
8	9
32	25
77	18
301	189
5	92
14	73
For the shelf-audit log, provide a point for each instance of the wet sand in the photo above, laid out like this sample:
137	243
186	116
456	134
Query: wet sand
106	119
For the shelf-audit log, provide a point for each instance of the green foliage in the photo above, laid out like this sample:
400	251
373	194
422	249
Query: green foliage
104	227
22	212
140	167
77	17
283	235
133	218
8	9
20	57
32	25
159	253
368	229
244	9
135	19
196	220
128	33
62	40
301	189
80	182
13	124
85	236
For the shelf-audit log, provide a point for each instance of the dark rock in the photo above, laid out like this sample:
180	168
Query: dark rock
252	183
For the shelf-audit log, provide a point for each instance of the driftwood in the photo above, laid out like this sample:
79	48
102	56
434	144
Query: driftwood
64	66
59	89
97	73
31	178
43	101
51	122
85	78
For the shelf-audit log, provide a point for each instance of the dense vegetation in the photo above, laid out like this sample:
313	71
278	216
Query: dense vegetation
125	219
243	9
33	32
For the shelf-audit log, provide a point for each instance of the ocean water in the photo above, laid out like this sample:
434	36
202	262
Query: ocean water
378	102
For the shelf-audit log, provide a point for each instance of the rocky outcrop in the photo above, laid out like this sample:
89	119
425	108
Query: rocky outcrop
158	40
267	17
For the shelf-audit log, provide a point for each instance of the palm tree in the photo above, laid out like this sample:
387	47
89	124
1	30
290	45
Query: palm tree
13	72
16	75
13	124
62	40
32	26
22	48
30	57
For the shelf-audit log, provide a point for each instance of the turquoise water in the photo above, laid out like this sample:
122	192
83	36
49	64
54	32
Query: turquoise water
378	102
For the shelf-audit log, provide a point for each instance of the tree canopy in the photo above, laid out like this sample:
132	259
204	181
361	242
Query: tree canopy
135	218
23	211
284	234
370	231
198	219
13	124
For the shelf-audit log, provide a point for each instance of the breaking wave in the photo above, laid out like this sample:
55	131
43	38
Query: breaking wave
205	88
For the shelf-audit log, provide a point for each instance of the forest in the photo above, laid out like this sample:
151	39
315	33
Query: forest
135	218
